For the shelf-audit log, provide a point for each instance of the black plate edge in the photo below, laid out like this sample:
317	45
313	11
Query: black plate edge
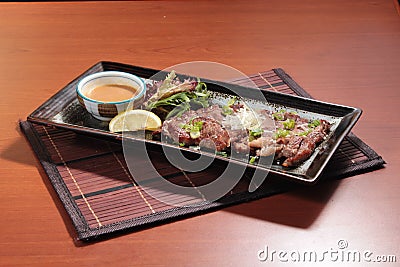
148	72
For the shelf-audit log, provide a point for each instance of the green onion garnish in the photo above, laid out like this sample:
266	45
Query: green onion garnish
314	123
289	124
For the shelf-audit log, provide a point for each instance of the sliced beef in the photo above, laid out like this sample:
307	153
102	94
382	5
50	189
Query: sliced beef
172	128
214	112
292	146
319	132
212	134
305	150
239	141
307	145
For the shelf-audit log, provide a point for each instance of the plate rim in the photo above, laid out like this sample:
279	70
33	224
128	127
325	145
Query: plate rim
101	65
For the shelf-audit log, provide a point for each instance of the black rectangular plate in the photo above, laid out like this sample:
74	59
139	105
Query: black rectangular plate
63	110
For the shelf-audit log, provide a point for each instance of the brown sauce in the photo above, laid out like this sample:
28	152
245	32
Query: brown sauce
112	93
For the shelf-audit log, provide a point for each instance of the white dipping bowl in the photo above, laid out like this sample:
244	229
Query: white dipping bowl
105	111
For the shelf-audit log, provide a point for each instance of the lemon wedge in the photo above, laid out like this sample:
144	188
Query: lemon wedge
134	120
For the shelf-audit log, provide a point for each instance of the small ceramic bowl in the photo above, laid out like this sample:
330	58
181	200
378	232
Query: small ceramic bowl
103	110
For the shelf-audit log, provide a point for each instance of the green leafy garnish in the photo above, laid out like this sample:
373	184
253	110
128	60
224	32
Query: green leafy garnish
181	96
173	100
231	101
221	153
314	123
280	133
305	133
253	159
167	83
256	132
289	124
181	144
279	116
227	110
179	110
201	88
193	128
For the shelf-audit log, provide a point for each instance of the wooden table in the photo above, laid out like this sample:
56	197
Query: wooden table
344	51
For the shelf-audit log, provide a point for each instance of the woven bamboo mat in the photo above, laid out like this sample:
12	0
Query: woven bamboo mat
100	195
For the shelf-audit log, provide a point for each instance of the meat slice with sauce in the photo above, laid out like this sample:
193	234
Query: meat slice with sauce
199	127
293	142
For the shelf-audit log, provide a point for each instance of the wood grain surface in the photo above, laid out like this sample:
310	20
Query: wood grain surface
344	51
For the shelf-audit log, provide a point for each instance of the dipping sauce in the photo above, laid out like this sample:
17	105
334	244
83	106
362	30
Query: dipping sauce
112	93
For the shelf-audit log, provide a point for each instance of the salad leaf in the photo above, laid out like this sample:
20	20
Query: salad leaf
180	96
167	83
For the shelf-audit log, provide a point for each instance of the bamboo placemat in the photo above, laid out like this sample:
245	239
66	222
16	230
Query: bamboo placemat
101	197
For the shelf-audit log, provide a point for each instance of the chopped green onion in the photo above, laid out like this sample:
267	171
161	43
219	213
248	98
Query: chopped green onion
193	128
314	123
226	110
253	159
201	94
199	124
231	101
279	116
194	134
221	153
181	144
280	133
256	132
305	133
289	124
